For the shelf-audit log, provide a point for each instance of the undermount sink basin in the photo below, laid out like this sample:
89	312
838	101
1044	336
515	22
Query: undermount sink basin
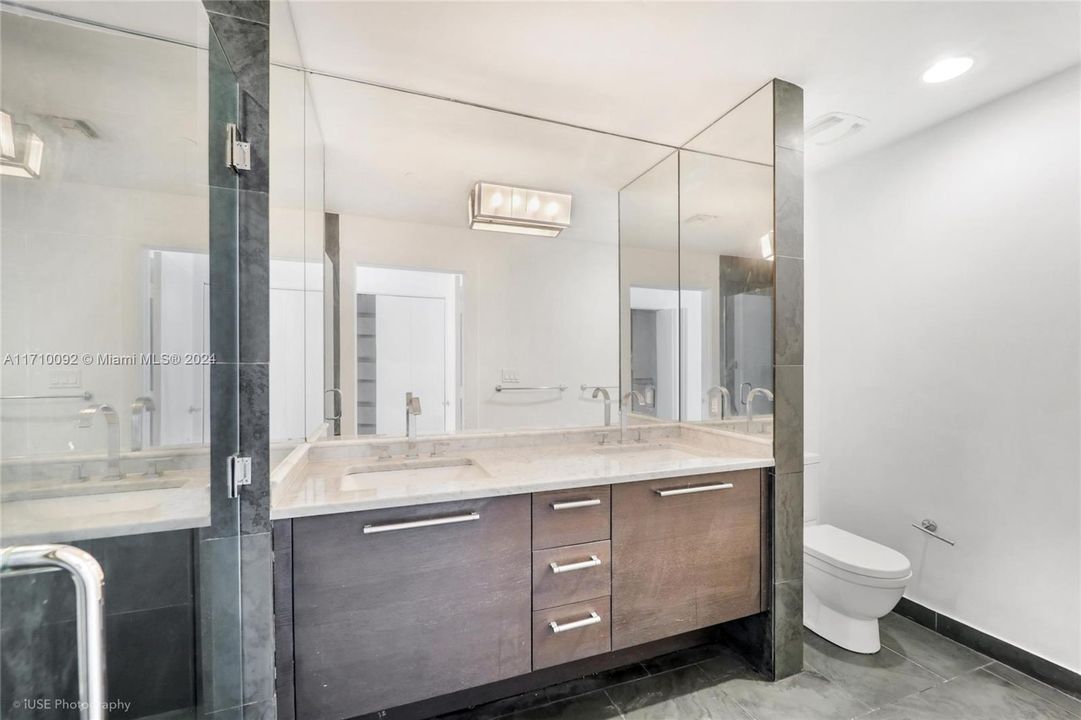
650	451
411	472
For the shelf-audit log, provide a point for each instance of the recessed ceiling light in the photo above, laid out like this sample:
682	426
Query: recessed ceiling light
947	69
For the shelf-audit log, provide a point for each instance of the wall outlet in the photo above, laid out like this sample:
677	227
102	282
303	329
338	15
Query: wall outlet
510	375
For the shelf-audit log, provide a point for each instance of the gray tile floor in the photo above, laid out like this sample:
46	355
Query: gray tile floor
918	675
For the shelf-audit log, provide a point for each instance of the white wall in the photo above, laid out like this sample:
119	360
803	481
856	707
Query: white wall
546	307
946	288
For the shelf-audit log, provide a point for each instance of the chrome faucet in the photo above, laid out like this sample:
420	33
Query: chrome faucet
750	403
726	400
412	409
140	409
603	392
112	430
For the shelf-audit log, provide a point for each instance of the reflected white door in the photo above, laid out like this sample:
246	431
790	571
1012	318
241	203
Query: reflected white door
410	357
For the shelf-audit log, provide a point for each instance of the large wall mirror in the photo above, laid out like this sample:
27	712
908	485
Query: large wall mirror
500	326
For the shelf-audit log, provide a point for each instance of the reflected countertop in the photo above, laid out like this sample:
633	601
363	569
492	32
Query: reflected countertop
183	502
332	485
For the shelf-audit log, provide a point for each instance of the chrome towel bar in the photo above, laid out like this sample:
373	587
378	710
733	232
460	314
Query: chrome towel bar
90	618
411	524
526	388
694	489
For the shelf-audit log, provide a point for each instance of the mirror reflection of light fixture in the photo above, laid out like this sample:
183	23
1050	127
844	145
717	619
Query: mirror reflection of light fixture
21	149
833	128
767	245
529	212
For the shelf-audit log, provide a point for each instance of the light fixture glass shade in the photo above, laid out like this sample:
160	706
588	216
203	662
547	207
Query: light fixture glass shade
504	208
21	149
766	242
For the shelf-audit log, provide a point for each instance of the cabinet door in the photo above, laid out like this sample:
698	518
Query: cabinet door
687	559
398	615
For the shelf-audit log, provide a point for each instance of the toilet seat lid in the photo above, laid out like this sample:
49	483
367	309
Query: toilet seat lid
853	553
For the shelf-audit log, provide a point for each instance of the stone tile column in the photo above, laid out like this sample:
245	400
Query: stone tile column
786	493
235	558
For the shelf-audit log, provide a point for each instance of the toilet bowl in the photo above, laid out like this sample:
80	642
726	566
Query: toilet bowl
849	582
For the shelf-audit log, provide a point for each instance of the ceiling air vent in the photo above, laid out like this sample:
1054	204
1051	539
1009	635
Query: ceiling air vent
833	127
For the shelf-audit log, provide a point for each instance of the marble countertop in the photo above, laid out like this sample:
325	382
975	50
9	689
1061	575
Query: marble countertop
349	484
336	476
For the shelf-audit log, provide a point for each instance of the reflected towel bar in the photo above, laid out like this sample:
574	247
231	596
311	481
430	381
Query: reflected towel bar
83	396
504	388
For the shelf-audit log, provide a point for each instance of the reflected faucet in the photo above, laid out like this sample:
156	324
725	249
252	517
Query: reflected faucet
625	411
412	409
600	391
140	409
726	404
750	403
112	430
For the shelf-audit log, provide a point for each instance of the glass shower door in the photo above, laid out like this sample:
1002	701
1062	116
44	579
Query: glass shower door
118	414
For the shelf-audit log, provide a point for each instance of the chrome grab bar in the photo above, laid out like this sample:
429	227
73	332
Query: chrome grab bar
90	622
694	489
430	522
593	619
82	396
571	504
931	527
593	561
505	388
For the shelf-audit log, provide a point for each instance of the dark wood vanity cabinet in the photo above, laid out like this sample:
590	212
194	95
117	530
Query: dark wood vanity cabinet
395	606
686	554
398	605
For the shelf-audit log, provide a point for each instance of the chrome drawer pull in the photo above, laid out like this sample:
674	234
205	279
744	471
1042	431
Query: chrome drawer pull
695	489
593	561
593	619
571	504
388	527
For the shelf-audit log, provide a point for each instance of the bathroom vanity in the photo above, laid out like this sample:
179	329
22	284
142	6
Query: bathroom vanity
526	564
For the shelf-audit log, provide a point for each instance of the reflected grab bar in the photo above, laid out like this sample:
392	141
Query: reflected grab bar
503	388
90	623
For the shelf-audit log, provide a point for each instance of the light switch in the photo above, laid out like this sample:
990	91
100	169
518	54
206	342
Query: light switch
65	379
510	375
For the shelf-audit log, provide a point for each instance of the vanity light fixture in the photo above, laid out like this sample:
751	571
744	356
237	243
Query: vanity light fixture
504	208
21	149
947	69
767	246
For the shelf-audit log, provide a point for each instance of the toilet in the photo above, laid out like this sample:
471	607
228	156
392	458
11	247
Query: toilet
849	582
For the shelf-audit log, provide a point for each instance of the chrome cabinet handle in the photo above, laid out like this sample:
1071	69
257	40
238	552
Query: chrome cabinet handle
694	489
571	504
430	522
593	561
593	619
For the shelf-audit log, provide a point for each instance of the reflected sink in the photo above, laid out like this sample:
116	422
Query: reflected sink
411	472
653	452
93	486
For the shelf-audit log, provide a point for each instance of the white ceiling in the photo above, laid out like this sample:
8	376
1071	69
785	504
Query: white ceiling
664	70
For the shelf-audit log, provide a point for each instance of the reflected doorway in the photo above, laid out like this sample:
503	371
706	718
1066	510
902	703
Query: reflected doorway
408	328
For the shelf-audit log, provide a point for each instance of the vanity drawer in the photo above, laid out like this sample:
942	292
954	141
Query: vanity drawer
571	632
571	517
572	573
